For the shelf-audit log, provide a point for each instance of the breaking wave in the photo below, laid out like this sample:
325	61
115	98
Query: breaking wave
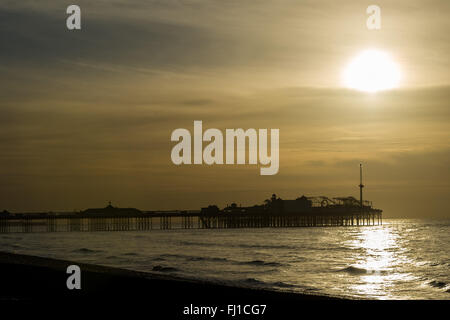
437	284
353	270
253	281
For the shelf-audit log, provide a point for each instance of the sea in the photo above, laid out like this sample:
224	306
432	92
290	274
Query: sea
402	259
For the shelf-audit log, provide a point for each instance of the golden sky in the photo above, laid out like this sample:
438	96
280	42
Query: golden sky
86	116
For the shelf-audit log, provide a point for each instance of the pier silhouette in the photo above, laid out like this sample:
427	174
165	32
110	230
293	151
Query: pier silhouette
274	213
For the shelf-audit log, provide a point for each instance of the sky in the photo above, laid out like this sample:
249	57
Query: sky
86	116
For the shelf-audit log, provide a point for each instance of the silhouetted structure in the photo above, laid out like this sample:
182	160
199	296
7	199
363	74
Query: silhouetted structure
275	212
5	214
109	210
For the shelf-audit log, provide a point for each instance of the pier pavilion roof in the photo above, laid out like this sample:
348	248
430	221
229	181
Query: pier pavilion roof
113	211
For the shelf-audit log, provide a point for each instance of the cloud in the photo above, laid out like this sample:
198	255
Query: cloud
88	115
284	43
123	141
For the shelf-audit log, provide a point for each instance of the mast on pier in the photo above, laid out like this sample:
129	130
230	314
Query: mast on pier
361	186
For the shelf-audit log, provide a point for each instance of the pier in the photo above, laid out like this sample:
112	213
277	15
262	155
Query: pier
181	220
304	211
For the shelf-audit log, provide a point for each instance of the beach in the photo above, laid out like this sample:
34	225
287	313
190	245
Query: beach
32	279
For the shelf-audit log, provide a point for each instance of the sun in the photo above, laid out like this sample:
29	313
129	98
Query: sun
371	71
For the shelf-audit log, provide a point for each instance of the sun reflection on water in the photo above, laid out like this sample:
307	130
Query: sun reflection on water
380	254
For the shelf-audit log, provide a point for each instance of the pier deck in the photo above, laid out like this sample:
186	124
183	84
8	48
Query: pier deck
180	220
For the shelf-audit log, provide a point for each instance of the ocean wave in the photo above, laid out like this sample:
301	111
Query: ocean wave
358	271
294	257
261	263
260	283
86	250
164	269
283	284
328	247
263	246
437	284
253	281
353	270
241	245
436	263
131	254
194	243
158	259
194	258
299	259
171	255
163	257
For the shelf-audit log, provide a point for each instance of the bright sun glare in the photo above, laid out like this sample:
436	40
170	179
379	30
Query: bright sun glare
371	71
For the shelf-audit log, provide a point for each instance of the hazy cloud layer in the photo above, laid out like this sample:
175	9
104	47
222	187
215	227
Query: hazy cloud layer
299	43
86	117
121	150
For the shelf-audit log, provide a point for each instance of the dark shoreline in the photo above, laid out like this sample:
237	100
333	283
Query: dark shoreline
31	279
34	280
25	276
